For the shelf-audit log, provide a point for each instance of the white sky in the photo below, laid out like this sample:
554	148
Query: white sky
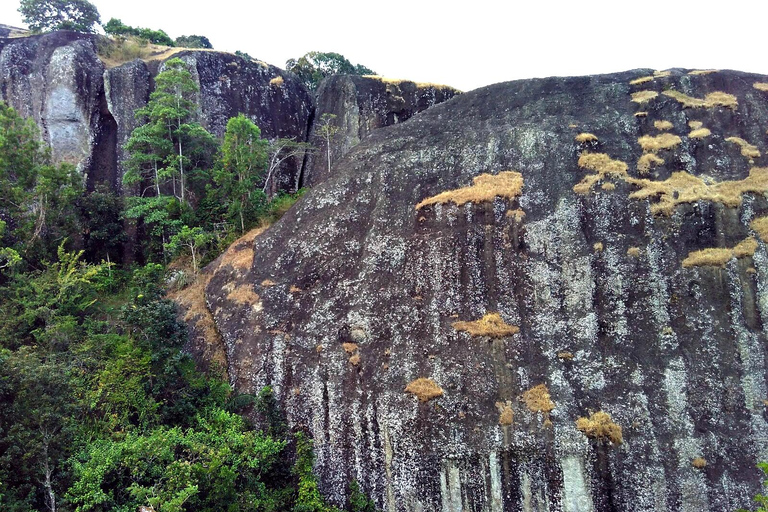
472	43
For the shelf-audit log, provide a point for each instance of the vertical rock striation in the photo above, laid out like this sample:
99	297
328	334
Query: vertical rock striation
614	376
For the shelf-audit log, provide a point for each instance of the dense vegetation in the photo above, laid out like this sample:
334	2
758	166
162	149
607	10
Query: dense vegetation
100	409
312	67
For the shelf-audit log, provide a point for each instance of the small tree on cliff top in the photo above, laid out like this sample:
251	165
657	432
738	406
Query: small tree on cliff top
45	15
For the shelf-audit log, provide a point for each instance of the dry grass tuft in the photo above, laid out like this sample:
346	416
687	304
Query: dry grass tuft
239	255
682	188
605	167
506	415
295	289
538	399
648	160
486	187
660	74
518	214
695	125
419	85
663	125
641	114
641	80
354	360
699	133
586	137
600	426
565	355
598	246
192	299
491	325
633	252
278	81
653	144
760	226
702	71
719	256
760	86
699	463
349	348
608	187
243	294
747	149
713	99
424	389
268	283
641	97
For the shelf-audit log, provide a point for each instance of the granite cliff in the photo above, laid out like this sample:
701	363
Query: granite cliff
540	295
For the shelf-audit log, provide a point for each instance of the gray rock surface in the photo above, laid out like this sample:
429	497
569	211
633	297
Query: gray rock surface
355	292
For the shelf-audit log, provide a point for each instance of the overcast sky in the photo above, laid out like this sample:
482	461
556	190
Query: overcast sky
472	43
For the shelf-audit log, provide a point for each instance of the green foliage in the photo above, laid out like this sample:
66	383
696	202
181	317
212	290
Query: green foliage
191	240
309	498
358	500
761	499
314	66
193	41
103	232
115	27
47	15
242	163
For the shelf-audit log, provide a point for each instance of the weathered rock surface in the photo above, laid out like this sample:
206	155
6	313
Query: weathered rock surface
362	104
355	292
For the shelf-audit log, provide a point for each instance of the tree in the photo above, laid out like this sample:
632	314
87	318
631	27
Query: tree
115	27
193	41
314	66
281	150
192	239
46	15
167	152
243	159
327	130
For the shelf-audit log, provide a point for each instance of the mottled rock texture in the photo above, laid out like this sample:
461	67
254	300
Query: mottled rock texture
354	293
362	104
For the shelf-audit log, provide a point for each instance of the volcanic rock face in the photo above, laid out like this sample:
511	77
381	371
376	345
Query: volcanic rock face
588	334
362	104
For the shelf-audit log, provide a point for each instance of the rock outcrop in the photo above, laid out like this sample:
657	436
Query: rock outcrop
362	104
541	295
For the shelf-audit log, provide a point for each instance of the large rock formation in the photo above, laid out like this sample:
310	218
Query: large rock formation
360	105
588	334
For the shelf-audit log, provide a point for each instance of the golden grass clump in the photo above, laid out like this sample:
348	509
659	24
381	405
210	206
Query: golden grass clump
484	188
608	187
641	80
719	256
506	415
682	188
699	463
633	252
695	125
656	143
349	348
565	355
660	74
268	283
243	294
586	137
278	81
598	246
240	254
538	399
424	389
518	214
747	149
605	167
648	160
354	360
699	133
760	226
663	125
760	86
600	426
702	71
713	99
419	85
641	97
491	325
641	114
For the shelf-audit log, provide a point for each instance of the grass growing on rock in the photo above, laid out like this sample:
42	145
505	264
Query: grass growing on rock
491	325
719	256
663	125
601	427
647	161
747	149
656	143
424	389
538	399
641	97
760	226
761	86
484	188
605	167
506	415
586	137
713	99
